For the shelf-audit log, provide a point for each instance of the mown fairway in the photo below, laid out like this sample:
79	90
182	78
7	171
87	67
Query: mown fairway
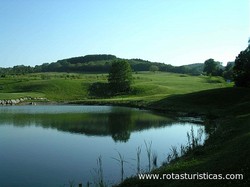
147	86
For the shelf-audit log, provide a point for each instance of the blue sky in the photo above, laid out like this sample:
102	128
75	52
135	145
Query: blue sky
175	32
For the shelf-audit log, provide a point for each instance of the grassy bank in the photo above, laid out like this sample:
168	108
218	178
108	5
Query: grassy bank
227	149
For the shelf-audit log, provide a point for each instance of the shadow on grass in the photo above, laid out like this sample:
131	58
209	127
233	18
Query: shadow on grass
219	101
226	152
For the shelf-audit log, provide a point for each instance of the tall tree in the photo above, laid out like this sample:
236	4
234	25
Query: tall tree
120	76
241	69
212	67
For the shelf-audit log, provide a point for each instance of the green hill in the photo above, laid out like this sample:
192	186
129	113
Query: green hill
147	86
99	63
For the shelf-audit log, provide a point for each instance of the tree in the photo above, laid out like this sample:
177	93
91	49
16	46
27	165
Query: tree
228	72
212	67
153	68
120	76
241	70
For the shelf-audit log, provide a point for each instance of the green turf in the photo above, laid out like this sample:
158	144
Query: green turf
147	86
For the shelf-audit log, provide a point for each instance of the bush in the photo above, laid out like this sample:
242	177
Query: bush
99	89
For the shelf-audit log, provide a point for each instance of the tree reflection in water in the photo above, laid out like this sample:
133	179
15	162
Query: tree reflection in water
117	123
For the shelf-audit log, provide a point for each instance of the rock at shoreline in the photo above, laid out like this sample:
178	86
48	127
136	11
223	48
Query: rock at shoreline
20	100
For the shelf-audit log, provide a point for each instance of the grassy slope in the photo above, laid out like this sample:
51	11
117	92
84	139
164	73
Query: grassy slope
55	86
148	87
226	151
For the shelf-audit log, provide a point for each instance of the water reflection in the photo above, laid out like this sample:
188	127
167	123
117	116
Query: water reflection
120	125
117	122
47	146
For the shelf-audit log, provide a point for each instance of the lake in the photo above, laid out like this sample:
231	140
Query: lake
44	146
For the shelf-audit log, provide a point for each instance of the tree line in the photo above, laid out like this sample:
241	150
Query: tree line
101	63
238	71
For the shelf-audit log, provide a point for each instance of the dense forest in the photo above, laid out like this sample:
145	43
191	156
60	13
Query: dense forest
101	63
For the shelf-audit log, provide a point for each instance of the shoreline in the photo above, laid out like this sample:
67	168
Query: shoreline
89	102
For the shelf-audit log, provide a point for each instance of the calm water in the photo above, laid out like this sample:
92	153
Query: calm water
44	146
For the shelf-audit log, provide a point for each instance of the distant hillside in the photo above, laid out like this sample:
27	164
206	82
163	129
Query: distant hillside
100	63
89	58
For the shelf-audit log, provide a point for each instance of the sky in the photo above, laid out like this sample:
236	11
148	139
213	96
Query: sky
177	32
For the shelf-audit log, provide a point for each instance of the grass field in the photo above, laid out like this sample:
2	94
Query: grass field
74	87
